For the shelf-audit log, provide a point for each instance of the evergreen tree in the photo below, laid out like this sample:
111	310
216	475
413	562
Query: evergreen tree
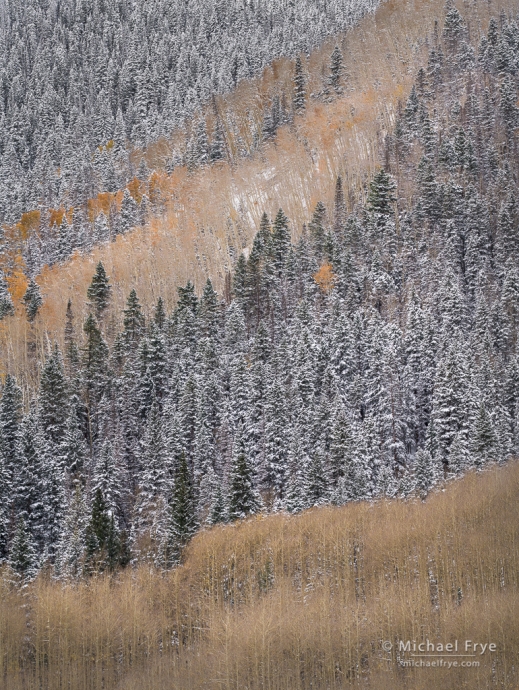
53	397
129	213
133	321
299	98
381	196
182	522
242	498
99	534
23	559
99	291
426	472
336	70
70	550
6	302
32	300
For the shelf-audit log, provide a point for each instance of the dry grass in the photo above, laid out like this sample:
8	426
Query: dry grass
287	603
213	214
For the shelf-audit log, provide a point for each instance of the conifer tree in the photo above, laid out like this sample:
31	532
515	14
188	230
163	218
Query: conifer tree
99	291
23	559
381	196
6	302
70	550
182	521
218	150
426	472
98	533
299	99
32	300
129	212
242	498
336	70
159	315
53	398
133	321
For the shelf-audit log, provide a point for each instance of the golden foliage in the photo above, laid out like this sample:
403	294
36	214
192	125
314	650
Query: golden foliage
134	187
325	278
29	223
290	603
101	204
16	280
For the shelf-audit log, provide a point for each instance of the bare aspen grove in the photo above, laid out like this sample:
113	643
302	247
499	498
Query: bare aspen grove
290	602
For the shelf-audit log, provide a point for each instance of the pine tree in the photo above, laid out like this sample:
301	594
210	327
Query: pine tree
484	441
242	497
10	419
133	321
218	147
317	481
159	315
99	291
98	533
32	300
426	471
53	397
280	240
299	99
182	522
6	302
381	196
339	220
95	364
23	559
129	213
336	70
218	510
70	550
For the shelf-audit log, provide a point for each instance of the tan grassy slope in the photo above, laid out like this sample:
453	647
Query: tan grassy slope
288	603
214	213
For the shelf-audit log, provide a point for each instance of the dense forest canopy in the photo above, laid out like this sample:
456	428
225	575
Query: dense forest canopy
374	357
83	82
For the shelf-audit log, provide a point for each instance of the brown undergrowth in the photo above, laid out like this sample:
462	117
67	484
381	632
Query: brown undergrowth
290	603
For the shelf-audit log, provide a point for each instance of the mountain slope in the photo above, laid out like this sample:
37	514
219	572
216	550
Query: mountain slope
291	603
211	215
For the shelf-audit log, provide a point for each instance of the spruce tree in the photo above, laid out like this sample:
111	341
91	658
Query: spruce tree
299	98
32	300
53	399
6	302
70	550
159	314
133	321
99	291
23	559
242	497
182	521
129	213
336	70
98	532
426	471
381	196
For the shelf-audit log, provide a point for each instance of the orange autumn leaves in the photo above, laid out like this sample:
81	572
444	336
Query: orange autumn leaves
325	278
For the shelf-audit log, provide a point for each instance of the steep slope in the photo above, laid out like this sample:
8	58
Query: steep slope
291	603
211	215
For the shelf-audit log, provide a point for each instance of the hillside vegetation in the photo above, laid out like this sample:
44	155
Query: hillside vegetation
206	217
288	603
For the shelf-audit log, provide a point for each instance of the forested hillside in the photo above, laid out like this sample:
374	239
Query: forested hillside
373	357
83	83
